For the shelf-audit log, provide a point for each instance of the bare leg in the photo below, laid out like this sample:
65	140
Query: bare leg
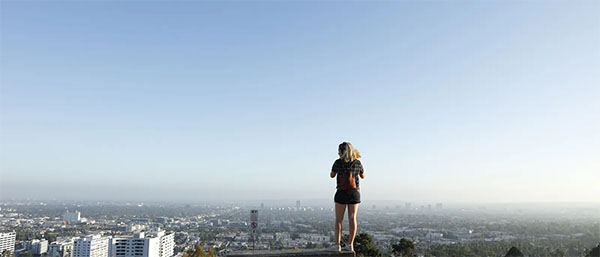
339	217
352	209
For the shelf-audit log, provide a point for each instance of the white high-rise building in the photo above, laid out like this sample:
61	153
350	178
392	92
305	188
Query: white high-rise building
37	246
137	245
72	217
167	244
7	241
153	244
91	246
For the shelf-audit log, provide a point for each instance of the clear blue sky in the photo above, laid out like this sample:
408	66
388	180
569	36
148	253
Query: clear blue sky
484	101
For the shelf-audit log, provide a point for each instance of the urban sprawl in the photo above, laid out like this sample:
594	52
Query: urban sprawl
56	229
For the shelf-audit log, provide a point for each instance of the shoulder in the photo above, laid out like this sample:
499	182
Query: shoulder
358	166
336	164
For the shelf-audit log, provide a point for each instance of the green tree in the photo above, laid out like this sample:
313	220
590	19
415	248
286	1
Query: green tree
211	253
50	237
199	252
595	252
363	246
7	253
404	248
514	252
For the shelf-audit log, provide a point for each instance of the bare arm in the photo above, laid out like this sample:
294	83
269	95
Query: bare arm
332	174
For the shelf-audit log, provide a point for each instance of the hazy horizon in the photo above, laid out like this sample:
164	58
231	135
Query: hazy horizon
320	202
447	102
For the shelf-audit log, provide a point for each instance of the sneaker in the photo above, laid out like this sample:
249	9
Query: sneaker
335	248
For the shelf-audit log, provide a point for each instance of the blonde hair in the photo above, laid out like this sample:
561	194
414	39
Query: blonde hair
347	152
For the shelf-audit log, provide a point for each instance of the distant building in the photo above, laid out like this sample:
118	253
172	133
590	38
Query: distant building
434	236
91	246
298	204
61	248
163	219
216	222
36	246
135	228
438	206
72	217
407	205
154	244
7	241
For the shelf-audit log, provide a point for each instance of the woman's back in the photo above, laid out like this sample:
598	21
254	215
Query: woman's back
347	171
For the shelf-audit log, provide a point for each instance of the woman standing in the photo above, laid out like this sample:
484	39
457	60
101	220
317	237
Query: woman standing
347	169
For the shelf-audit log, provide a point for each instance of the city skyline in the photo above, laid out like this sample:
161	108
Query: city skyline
447	102
227	229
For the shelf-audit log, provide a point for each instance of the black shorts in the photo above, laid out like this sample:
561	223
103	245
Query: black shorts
351	196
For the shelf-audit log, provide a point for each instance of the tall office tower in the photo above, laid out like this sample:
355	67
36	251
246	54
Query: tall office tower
153	244
91	246
298	204
7	241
